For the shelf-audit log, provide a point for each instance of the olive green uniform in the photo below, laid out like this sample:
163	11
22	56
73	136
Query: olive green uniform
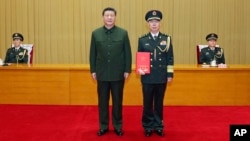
13	54
110	58
207	55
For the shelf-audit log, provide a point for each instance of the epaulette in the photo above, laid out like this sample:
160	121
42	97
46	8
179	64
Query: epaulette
143	36
166	35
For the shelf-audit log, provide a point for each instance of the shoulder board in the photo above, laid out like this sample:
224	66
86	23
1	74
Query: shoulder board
143	36
10	48
206	48
163	34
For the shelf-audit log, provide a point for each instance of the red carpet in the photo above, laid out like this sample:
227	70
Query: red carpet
79	123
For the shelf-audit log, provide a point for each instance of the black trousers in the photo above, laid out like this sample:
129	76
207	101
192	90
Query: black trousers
104	89
153	97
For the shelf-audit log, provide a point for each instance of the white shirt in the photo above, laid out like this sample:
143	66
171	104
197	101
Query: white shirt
155	35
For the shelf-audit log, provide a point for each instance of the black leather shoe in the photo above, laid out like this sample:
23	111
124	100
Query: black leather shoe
118	132
159	132
102	132
148	133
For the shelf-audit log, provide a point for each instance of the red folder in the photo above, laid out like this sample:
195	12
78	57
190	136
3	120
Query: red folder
143	62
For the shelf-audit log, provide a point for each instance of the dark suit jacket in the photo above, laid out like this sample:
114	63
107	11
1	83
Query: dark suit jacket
11	55
110	53
161	57
207	55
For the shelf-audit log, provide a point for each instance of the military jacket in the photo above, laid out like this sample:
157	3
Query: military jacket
207	55
161	57
110	53
13	55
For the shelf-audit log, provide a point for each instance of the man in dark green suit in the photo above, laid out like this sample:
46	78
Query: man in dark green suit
110	65
211	52
160	47
16	54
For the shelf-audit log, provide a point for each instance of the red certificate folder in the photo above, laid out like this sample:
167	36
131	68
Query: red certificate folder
143	62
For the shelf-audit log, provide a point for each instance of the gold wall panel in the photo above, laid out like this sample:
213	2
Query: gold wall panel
61	29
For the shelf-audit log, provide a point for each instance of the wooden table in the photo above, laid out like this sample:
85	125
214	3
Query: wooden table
71	84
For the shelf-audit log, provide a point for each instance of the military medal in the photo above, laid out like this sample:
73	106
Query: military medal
163	43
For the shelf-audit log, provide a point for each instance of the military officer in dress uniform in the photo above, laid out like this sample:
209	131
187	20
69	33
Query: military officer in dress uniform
161	72
110	65
16	54
212	52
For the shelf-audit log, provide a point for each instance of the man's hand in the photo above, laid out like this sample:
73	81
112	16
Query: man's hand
126	75
141	72
93	75
170	79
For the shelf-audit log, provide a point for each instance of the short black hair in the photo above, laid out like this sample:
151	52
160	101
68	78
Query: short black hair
108	9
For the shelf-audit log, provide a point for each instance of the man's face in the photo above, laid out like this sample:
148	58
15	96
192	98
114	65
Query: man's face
109	18
154	25
17	42
211	43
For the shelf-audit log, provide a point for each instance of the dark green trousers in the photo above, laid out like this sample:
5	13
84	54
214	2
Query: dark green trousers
153	97
105	88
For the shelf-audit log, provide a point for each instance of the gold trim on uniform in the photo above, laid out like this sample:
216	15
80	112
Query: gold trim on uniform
219	54
156	18
170	68
167	45
154	54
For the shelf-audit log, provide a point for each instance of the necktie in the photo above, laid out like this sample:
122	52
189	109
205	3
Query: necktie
155	37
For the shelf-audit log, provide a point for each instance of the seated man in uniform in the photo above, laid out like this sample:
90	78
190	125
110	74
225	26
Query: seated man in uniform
212	53
16	54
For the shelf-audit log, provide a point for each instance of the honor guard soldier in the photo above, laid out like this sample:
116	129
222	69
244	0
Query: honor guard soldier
212	53
16	54
154	84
